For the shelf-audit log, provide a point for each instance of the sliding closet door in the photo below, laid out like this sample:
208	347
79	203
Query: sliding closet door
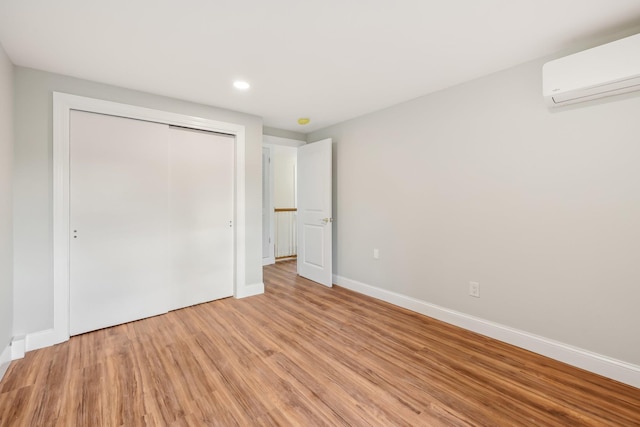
201	214
119	265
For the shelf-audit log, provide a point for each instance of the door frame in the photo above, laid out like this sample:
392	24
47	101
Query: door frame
270	259
270	142
62	105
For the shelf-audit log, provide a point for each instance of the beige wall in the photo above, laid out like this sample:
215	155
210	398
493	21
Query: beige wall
33	187
6	239
282	133
283	160
481	182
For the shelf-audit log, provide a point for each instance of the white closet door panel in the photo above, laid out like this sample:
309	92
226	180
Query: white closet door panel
119	220
201	211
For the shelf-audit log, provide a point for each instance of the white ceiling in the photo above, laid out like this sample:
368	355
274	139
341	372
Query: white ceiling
330	60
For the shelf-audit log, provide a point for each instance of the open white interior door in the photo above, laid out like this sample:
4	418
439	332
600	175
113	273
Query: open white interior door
314	212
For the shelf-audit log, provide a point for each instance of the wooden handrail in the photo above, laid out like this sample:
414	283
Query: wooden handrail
285	210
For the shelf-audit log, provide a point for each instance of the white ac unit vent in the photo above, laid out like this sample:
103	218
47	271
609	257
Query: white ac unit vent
606	70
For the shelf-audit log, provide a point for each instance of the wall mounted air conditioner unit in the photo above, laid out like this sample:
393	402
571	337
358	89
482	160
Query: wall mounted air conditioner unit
606	70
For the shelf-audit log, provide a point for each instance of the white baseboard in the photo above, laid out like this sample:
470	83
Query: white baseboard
42	339
268	261
603	365
18	347
251	290
5	360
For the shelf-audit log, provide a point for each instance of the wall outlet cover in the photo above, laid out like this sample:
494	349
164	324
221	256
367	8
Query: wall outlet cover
474	289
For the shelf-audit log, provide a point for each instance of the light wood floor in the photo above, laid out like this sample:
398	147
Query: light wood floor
302	355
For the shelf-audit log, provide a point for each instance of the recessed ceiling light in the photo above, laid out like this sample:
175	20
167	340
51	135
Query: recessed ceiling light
242	85
304	121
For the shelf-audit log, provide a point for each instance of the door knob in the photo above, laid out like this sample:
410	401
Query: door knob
327	220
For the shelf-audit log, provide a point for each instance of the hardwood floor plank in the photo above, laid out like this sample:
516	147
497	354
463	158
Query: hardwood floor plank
303	355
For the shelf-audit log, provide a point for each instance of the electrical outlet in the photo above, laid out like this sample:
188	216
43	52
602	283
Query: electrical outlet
376	254
474	289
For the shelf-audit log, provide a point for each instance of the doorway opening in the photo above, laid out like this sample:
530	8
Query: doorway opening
279	184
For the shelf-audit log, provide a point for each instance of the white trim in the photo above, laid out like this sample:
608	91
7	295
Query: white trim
606	366
271	258
5	360
41	339
62	105
268	261
251	290
18	347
